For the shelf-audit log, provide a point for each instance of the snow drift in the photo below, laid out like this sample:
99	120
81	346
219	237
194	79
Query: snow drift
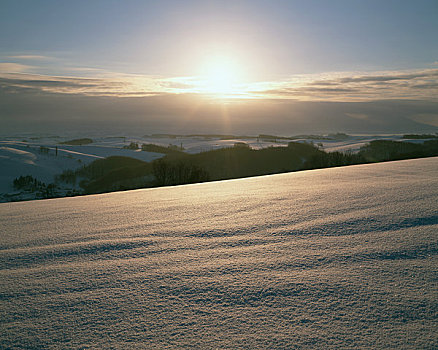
330	258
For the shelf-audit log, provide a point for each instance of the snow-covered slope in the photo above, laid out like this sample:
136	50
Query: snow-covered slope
333	258
19	158
22	155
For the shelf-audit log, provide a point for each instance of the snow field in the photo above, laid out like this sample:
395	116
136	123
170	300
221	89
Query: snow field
20	155
335	258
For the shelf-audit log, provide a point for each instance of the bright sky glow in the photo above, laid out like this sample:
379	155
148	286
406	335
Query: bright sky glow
277	50
271	39
220	75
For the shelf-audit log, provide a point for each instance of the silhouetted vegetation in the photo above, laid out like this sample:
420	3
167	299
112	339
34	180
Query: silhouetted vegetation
132	145
67	176
121	173
77	142
332	159
241	144
29	184
419	136
167	173
384	150
375	151
110	174
150	147
240	161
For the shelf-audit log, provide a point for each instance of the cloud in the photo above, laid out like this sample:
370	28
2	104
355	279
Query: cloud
340	87
117	86
390	77
29	83
85	69
433	85
10	67
417	85
31	57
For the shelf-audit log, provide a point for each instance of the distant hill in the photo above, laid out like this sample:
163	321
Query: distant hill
420	136
77	142
110	174
235	162
122	173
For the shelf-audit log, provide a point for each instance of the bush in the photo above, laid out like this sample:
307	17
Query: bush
30	184
27	183
132	145
171	149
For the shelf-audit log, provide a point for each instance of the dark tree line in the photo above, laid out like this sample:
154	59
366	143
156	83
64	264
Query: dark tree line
179	173
332	159
30	184
375	151
121	173
383	150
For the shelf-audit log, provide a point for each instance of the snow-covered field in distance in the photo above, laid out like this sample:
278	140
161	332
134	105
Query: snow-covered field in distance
336	258
18	158
20	155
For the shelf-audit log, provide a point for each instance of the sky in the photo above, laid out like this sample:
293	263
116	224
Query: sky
275	53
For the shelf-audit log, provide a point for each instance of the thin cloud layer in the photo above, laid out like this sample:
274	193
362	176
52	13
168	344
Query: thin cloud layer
422	85
31	57
6	67
117	86
341	87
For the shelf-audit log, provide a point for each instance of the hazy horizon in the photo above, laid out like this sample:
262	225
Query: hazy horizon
48	112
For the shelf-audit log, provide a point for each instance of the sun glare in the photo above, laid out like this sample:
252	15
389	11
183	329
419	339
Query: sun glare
220	76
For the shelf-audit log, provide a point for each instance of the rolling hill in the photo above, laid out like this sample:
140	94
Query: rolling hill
335	258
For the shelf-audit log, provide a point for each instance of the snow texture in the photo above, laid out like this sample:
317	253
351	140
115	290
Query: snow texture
335	258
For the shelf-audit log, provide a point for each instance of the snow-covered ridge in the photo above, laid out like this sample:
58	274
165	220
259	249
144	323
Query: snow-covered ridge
335	258
44	156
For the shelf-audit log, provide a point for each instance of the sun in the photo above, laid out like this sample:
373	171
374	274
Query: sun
220	75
